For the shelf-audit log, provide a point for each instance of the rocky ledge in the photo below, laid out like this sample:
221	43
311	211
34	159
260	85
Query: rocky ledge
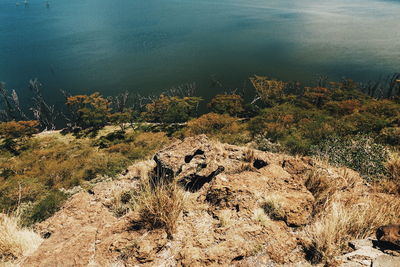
224	220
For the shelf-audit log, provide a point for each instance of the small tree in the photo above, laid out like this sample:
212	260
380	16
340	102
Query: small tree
317	96
13	132
168	109
18	129
231	104
268	90
89	111
121	119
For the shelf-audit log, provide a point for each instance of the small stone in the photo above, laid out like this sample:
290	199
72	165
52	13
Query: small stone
386	261
351	264
361	243
366	253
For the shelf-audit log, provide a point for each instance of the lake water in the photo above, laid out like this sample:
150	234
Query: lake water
147	45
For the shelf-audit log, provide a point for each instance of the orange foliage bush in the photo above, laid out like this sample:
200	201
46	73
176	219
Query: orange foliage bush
18	129
344	107
231	104
268	90
221	126
89	111
211	123
317	95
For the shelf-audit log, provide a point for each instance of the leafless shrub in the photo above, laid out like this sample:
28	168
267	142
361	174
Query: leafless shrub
12	109
42	111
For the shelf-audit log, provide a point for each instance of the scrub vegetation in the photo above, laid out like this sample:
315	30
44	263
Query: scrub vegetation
345	123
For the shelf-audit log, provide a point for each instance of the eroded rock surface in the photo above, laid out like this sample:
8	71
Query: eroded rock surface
224	222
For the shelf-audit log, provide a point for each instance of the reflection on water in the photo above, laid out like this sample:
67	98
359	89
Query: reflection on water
106	45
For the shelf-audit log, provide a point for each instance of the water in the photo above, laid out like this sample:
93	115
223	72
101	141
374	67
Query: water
148	45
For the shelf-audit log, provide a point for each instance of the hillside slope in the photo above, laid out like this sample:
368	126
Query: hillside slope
241	207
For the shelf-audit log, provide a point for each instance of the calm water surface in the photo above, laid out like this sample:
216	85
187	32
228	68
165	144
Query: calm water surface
147	45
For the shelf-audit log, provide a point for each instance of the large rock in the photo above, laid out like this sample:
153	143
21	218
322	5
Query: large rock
389	235
239	177
72	233
196	161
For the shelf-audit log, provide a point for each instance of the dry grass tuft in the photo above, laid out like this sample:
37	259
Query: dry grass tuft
330	232
245	167
248	156
120	202
15	241
323	184
272	206
225	218
159	206
393	166
387	186
344	209
260	216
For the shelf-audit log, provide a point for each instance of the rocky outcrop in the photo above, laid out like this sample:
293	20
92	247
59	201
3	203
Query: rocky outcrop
389	235
72	234
245	176
243	208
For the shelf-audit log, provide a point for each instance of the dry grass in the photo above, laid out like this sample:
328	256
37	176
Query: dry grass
51	161
340	216
344	209
272	206
159	206
120	202
15	241
248	156
387	186
225	218
323	183
260	216
393	166
331	231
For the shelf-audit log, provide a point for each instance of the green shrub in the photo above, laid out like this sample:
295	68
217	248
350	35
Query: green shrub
110	139
45	208
231	104
358	152
262	143
223	127
297	145
168	109
390	136
88	111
